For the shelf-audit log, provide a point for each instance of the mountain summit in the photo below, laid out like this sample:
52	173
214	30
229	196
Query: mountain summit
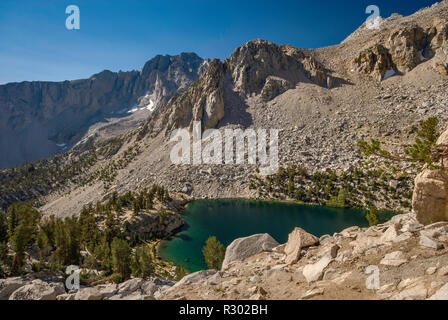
39	119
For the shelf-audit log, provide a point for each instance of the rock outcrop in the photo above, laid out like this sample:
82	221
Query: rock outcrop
275	86
298	240
253	65
441	294
149	224
314	272
38	289
203	102
375	60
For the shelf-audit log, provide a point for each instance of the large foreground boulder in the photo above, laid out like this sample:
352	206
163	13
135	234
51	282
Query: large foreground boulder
38	290
297	240
441	294
8	286
430	196
430	199
243	248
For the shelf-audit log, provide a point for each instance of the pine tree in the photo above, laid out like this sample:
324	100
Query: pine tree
13	220
42	242
180	272
102	253
89	230
3	253
291	187
121	258
214	252
48	227
135	207
142	265
112	229
74	240
373	216
61	244
162	214
3	228
19	241
423	151
22	229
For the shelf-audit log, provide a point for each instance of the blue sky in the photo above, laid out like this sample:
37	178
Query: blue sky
123	35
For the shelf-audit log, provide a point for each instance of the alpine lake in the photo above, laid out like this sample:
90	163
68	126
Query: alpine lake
230	219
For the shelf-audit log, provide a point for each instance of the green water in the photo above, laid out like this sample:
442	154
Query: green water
232	219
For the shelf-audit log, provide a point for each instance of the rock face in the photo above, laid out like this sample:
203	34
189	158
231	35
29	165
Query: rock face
405	47
297	240
275	86
375	60
194	278
36	116
93	294
203	102
243	248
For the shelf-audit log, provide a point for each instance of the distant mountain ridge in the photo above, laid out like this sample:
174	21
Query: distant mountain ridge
39	119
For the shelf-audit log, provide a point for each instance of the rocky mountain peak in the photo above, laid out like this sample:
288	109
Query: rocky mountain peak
188	62
259	67
167	76
203	101
259	64
38	119
401	43
252	63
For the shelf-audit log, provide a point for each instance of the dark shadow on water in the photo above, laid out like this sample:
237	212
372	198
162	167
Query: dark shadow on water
184	237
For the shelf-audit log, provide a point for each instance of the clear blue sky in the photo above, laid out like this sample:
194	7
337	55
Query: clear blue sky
123	35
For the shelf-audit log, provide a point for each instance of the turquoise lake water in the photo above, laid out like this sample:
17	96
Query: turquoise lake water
232	219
